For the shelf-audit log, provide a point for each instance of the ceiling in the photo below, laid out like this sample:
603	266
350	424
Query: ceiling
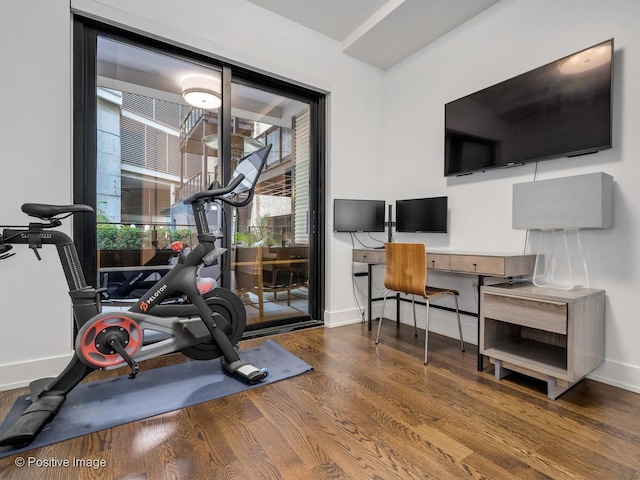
124	67
379	32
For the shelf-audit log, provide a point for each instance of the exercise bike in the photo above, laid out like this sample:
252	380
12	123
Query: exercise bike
205	327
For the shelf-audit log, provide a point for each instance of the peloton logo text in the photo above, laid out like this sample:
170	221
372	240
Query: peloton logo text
156	294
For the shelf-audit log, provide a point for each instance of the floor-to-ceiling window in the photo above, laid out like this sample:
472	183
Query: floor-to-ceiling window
143	145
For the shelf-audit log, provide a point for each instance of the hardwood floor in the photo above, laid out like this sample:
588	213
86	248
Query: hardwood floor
369	412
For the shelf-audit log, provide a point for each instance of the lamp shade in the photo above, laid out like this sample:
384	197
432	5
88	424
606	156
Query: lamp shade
577	202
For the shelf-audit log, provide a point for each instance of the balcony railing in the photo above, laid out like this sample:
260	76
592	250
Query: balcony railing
195	185
190	122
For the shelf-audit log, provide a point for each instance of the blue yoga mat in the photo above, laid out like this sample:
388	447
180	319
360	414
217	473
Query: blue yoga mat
94	406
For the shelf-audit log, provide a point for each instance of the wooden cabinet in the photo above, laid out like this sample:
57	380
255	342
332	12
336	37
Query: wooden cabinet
550	334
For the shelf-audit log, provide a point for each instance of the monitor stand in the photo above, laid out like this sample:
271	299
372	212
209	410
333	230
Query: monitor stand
390	224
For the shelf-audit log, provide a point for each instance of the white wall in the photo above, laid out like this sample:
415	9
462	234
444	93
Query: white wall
510	38
35	147
366	106
35	136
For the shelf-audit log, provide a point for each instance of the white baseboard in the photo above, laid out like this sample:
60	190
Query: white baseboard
16	375
618	375
343	317
442	322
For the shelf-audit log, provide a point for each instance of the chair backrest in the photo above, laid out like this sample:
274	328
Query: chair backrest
405	267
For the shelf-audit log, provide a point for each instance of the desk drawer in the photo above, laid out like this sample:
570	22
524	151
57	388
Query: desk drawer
544	315
368	256
438	261
477	264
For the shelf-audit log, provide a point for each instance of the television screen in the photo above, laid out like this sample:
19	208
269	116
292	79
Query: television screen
560	109
358	215
422	215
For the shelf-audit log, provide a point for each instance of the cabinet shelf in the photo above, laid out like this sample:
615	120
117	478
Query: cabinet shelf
542	357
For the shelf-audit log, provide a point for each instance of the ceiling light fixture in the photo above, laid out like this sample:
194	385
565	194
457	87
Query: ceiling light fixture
199	91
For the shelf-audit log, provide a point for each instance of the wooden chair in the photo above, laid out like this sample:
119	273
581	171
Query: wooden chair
261	270
406	272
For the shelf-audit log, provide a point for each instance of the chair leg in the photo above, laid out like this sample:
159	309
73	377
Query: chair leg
426	334
289	289
384	302
455	297
415	323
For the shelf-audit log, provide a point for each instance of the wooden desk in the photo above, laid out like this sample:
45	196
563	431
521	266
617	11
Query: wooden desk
502	265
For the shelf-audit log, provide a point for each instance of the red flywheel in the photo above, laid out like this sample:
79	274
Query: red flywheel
95	344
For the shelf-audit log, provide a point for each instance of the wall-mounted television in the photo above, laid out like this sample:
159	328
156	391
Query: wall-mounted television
422	215
358	215
557	110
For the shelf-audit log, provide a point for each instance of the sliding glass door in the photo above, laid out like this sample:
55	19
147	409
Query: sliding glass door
155	145
270	246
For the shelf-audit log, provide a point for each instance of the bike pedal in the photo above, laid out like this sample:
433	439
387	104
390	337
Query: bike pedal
245	371
258	376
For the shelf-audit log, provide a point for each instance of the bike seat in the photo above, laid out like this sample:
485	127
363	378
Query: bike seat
45	211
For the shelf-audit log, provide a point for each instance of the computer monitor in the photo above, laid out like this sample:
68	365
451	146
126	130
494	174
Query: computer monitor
358	215
426	215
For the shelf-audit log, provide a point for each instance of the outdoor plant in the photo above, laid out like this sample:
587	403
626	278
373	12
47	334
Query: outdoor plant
112	236
260	234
